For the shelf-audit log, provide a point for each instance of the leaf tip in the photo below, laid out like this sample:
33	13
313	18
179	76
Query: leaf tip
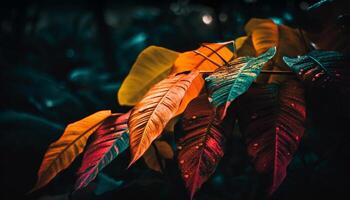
289	61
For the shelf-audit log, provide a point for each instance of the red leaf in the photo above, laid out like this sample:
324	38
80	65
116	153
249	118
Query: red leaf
202	146
110	140
272	118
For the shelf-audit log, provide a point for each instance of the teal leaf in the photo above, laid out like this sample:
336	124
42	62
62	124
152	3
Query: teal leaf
228	82
325	69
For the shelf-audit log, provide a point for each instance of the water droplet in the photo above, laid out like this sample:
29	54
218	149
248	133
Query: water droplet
197	147
182	161
213	160
292	104
186	176
179	147
288	153
255	144
297	137
277	129
194	117
210	99
337	75
112	128
313	79
254	116
200	144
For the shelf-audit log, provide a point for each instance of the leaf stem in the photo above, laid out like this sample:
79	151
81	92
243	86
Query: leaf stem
277	72
159	159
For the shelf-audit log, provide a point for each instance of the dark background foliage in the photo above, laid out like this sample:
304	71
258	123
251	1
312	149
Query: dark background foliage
63	60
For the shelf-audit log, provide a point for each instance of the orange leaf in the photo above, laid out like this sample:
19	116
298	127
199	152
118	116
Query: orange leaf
190	60
149	117
192	92
266	34
62	152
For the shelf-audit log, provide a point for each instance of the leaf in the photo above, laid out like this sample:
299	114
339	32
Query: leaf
321	69
272	120
190	60
163	150
62	152
110	139
202	146
150	116
244	47
191	93
266	34
227	83
151	66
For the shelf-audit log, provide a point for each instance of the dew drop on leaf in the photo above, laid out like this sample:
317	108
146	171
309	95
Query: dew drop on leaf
254	116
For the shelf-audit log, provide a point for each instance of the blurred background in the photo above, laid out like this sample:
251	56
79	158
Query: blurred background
62	60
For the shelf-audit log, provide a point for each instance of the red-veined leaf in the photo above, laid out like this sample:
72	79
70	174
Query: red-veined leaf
272	118
63	152
110	139
149	117
202	146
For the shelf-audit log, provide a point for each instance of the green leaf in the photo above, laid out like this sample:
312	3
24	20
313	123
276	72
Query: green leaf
228	82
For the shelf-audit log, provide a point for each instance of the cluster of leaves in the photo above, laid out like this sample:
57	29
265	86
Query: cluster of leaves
206	92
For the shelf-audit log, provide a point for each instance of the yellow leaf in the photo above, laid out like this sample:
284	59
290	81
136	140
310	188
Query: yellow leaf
266	34
151	66
239	42
244	47
164	152
190	60
150	116
62	152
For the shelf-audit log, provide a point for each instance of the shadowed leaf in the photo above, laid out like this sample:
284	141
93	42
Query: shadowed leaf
163	150
272	120
266	34
321	69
